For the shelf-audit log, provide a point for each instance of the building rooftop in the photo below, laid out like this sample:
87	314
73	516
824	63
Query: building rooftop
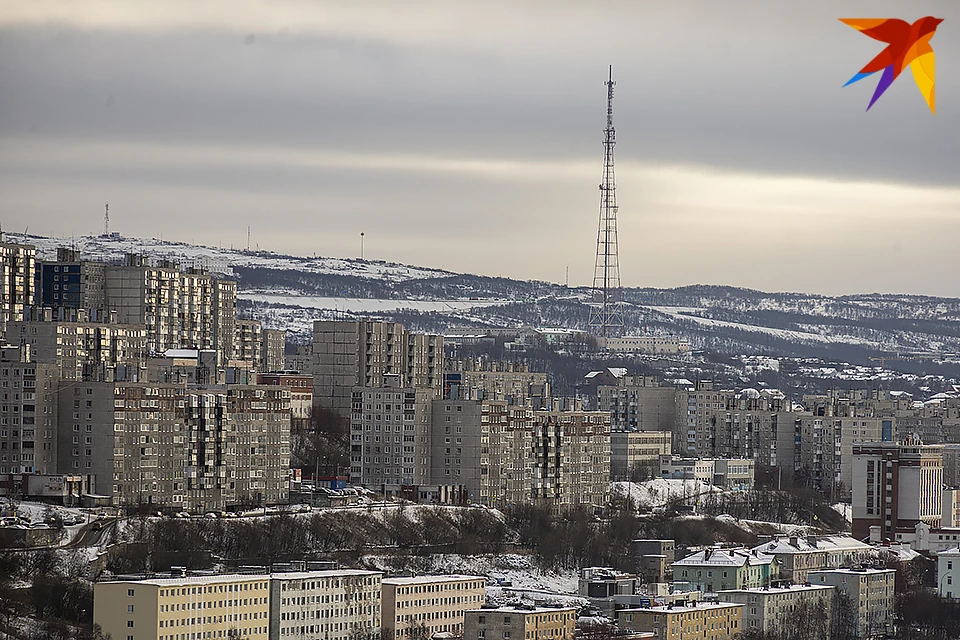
794	588
326	573
852	572
521	609
682	608
194	580
796	544
431	579
725	558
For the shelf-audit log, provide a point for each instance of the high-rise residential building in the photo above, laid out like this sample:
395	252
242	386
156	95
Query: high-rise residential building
456	436
633	451
479	379
569	455
223	300
71	283
28	413
248	341
17	281
896	486
273	342
301	395
390	428
520	622
694	621
221	606
870	592
422	606
639	403
348	354
172	445
774	610
339	604
81	349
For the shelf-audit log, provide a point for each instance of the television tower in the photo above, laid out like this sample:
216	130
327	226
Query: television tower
606	309
106	219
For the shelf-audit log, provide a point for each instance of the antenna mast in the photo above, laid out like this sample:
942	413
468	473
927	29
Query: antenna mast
606	310
106	219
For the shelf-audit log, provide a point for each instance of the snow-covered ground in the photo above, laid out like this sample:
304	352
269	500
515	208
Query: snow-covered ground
844	509
364	305
222	260
659	491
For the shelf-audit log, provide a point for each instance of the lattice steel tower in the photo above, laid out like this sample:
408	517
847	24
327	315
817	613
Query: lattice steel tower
606	309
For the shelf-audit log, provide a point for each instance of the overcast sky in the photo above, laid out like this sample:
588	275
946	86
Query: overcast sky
467	135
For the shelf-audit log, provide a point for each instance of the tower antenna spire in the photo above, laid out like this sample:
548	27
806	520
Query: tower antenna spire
106	219
606	309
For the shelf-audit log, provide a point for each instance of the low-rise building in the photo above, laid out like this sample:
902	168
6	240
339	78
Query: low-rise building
632	451
721	472
716	569
433	604
948	573
333	605
798	555
520	623
775	609
223	606
869	592
695	621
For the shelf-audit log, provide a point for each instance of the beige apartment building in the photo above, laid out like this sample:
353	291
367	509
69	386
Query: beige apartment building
223	298
81	349
639	403
695	621
189	608
456	436
339	604
367	353
632	449
513	382
28	413
271	350
870	592
173	445
520	623
17	266
390	435
776	609
434	603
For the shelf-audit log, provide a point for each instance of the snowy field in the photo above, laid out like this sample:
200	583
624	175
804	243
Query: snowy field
365	305
659	491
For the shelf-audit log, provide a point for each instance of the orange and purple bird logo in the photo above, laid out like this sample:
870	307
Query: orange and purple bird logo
907	44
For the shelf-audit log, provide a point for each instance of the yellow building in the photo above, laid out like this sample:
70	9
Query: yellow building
435	603
187	608
700	620
520	623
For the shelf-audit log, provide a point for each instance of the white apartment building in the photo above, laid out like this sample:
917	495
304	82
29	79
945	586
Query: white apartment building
870	592
325	605
774	609
434	603
948	573
224	606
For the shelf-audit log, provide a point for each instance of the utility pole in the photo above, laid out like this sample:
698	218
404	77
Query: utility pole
606	311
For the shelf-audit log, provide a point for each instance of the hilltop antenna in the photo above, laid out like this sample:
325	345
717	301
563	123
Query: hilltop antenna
248	237
606	311
106	219
361	245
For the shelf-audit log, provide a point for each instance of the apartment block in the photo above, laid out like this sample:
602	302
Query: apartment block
896	486
632	450
17	290
435	604
177	446
775	610
798	556
223	300
248	341
28	413
301	395
948	573
71	283
478	379
273	342
694	621
871	594
341	604
570	456
718	569
81	348
225	606
520	623
638	403
456	436
652	345
365	353
390	435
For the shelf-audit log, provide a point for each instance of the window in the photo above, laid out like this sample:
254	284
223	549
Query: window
130	592
129	608
129	624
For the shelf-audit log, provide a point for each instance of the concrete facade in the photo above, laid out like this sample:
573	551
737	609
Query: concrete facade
695	621
775	609
435	603
339	604
520	623
871	593
28	414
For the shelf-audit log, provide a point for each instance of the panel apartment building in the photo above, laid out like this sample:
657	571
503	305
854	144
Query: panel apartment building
172	445
348	354
28	414
339	604
434	603
17	282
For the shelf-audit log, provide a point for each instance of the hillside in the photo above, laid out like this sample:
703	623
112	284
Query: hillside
291	291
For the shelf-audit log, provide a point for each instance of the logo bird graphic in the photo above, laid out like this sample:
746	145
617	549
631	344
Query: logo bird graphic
907	44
